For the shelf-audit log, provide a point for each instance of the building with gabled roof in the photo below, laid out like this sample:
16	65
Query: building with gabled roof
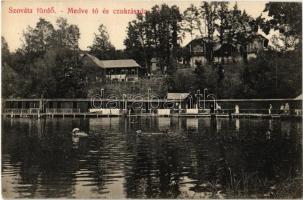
198	49
117	70
177	96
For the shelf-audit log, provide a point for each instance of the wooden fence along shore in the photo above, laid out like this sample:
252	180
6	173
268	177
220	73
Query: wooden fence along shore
251	108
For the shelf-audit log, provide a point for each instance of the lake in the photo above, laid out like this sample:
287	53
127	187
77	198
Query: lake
171	158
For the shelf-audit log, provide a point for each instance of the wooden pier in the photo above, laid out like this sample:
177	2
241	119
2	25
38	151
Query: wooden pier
72	113
86	108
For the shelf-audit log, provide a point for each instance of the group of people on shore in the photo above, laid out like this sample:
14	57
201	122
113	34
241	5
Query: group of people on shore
284	109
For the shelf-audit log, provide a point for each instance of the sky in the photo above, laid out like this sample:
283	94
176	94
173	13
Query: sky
14	24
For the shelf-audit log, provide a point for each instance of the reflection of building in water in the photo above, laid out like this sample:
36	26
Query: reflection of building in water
219	124
205	122
97	124
299	128
116	188
163	123
237	124
270	127
192	123
40	127
285	127
176	123
36	127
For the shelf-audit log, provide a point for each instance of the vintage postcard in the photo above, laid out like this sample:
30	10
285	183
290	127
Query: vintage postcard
140	99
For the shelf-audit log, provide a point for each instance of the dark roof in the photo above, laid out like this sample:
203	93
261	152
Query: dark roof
217	44
201	40
195	41
226	49
107	64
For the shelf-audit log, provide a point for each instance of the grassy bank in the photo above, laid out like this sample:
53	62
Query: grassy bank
155	86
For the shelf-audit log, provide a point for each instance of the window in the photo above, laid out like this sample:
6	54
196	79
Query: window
197	49
265	43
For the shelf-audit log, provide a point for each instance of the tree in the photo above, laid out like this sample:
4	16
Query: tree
182	81
67	36
217	24
102	47
205	77
203	19
58	74
166	32
9	75
223	16
209	13
38	39
155	34
285	17
44	36
268	77
4	50
139	42
70	74
192	20
48	64
240	30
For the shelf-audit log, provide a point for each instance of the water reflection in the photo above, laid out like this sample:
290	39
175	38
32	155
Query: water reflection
164	123
198	158
237	124
192	123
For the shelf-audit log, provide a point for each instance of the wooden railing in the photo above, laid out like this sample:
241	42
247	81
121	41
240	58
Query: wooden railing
37	110
22	111
62	110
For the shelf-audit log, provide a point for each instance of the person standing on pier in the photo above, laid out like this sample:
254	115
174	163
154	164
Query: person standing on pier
286	108
282	109
237	109
269	110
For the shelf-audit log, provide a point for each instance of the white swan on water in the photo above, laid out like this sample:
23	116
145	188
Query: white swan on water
77	133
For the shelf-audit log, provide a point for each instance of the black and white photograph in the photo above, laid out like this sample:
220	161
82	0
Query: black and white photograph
151	99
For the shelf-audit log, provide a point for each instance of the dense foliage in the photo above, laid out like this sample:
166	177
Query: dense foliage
47	65
216	22
157	34
286	18
102	47
49	62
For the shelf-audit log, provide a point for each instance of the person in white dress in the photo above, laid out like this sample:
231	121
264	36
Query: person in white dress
237	109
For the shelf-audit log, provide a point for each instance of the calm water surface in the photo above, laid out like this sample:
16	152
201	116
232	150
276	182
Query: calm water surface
197	158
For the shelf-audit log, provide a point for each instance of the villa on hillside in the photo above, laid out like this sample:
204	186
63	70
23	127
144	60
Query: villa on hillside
116	70
197	51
